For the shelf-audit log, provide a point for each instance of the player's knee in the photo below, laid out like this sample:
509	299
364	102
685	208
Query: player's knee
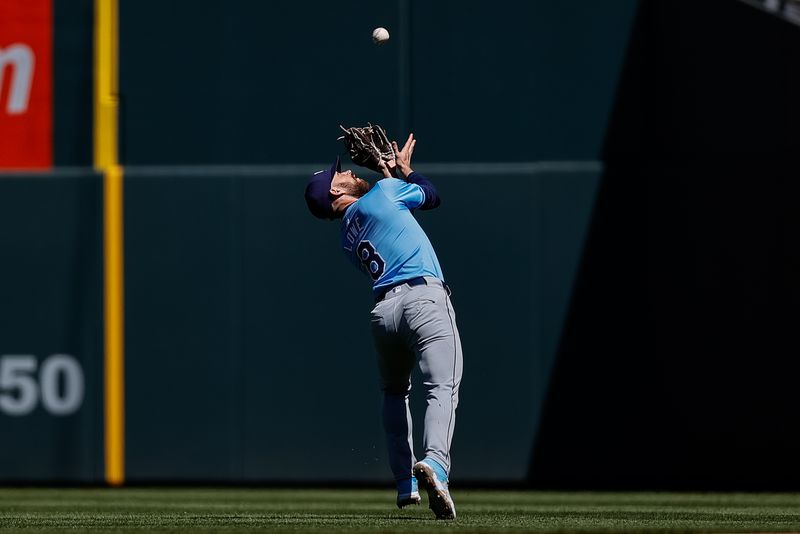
437	390
445	385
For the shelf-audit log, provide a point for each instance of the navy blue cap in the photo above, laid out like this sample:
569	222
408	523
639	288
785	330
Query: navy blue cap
318	191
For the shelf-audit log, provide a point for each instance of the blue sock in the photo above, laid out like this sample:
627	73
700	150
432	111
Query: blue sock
407	485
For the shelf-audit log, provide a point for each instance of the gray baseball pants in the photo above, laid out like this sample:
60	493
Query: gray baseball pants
417	325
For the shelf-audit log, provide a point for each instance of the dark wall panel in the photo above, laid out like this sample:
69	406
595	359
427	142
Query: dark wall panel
710	81
517	81
678	360
51	295
182	359
310	385
268	82
249	354
73	82
251	82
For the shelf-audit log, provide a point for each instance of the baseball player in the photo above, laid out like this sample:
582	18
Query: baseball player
413	322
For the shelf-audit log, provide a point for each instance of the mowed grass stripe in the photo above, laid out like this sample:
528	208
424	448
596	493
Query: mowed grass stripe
35	510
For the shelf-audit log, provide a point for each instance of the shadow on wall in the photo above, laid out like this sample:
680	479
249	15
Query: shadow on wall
677	366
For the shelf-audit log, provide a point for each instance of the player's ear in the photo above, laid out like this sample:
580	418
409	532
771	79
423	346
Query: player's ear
335	192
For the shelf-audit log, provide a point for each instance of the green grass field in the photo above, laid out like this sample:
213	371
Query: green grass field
33	510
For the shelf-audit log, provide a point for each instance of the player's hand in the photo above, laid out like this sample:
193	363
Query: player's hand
386	167
403	157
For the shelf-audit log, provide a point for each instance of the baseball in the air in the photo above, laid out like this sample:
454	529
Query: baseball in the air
380	35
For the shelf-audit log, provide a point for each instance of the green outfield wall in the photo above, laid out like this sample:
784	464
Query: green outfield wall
248	351
252	304
619	227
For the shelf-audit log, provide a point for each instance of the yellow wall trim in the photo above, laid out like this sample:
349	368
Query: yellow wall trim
106	159
106	101
114	327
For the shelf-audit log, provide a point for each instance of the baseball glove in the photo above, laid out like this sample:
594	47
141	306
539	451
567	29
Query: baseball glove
367	145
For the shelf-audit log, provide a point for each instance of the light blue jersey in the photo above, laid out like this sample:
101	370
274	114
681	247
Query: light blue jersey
383	239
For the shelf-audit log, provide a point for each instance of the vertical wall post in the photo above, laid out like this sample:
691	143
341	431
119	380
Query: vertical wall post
106	159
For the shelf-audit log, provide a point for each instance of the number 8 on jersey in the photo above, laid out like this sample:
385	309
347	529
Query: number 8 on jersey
370	259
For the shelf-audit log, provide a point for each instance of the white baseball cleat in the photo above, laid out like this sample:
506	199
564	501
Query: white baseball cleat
433	479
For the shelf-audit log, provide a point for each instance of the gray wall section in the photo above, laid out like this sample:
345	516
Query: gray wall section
51	295
268	82
233	287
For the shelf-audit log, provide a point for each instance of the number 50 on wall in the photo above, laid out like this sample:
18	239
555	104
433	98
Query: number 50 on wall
58	384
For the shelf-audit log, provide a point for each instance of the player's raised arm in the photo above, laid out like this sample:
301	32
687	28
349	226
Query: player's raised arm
403	157
403	168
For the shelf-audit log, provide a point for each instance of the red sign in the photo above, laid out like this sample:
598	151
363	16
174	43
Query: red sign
26	89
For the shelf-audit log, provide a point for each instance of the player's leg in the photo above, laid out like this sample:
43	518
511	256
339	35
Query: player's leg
441	363
396	362
433	335
435	339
